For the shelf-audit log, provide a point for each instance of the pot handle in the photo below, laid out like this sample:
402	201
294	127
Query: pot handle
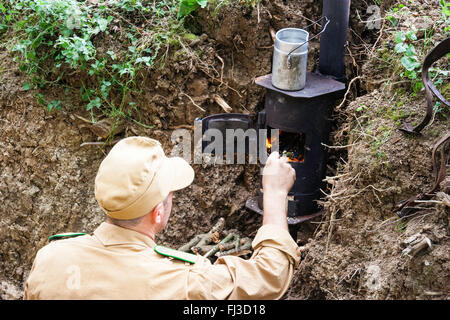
289	63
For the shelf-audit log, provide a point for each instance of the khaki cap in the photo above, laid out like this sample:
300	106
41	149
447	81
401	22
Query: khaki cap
136	175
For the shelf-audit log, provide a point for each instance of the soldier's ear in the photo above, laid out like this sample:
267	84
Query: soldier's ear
157	213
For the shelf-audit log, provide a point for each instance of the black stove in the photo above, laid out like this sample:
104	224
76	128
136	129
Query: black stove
300	118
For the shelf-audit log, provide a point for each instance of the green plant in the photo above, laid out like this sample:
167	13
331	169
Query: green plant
391	15
101	50
187	6
409	60
60	37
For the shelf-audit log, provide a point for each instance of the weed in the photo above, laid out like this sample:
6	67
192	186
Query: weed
409	51
409	60
57	37
187	6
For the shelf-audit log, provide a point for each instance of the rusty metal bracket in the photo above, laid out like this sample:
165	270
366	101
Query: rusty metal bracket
406	207
435	54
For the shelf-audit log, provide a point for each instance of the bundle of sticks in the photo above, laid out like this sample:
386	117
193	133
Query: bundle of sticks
211	245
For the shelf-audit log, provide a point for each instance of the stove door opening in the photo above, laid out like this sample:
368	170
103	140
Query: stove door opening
290	144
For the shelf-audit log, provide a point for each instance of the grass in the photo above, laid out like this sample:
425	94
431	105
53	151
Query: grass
53	39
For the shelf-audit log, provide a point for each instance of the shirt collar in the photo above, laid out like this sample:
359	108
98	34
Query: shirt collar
109	235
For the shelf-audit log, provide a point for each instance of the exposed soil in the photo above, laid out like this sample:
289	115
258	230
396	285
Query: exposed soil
47	177
359	254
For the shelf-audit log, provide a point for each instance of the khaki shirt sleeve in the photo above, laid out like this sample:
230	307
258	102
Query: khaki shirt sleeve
266	275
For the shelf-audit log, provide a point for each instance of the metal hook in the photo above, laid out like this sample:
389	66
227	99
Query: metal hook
289	63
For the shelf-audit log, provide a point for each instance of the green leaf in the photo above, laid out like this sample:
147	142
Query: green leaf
418	86
438	82
86	93
187	6
111	54
400	47
411	74
27	86
400	37
105	88
410	63
410	51
95	103
54	104
392	20
40	99
102	24
411	35
202	3
145	60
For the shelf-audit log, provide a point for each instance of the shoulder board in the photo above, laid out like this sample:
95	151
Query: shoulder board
180	255
65	235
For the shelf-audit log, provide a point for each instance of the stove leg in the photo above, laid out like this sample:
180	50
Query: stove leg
293	229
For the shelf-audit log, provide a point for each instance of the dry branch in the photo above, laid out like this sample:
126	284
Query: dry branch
201	250
186	247
416	246
216	229
222	103
216	248
244	249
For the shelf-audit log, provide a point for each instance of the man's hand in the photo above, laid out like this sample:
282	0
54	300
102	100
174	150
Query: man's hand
278	179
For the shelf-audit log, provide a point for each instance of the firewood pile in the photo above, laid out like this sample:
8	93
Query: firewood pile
218	243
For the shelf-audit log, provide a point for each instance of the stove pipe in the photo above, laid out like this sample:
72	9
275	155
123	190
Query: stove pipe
333	40
303	115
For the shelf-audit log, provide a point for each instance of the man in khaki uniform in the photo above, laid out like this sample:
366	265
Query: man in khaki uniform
134	187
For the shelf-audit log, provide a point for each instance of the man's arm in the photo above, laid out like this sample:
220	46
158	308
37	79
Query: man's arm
278	179
268	273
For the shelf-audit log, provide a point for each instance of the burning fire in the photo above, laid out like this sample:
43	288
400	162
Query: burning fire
269	143
289	154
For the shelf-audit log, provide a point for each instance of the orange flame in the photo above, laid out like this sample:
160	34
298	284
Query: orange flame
269	142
